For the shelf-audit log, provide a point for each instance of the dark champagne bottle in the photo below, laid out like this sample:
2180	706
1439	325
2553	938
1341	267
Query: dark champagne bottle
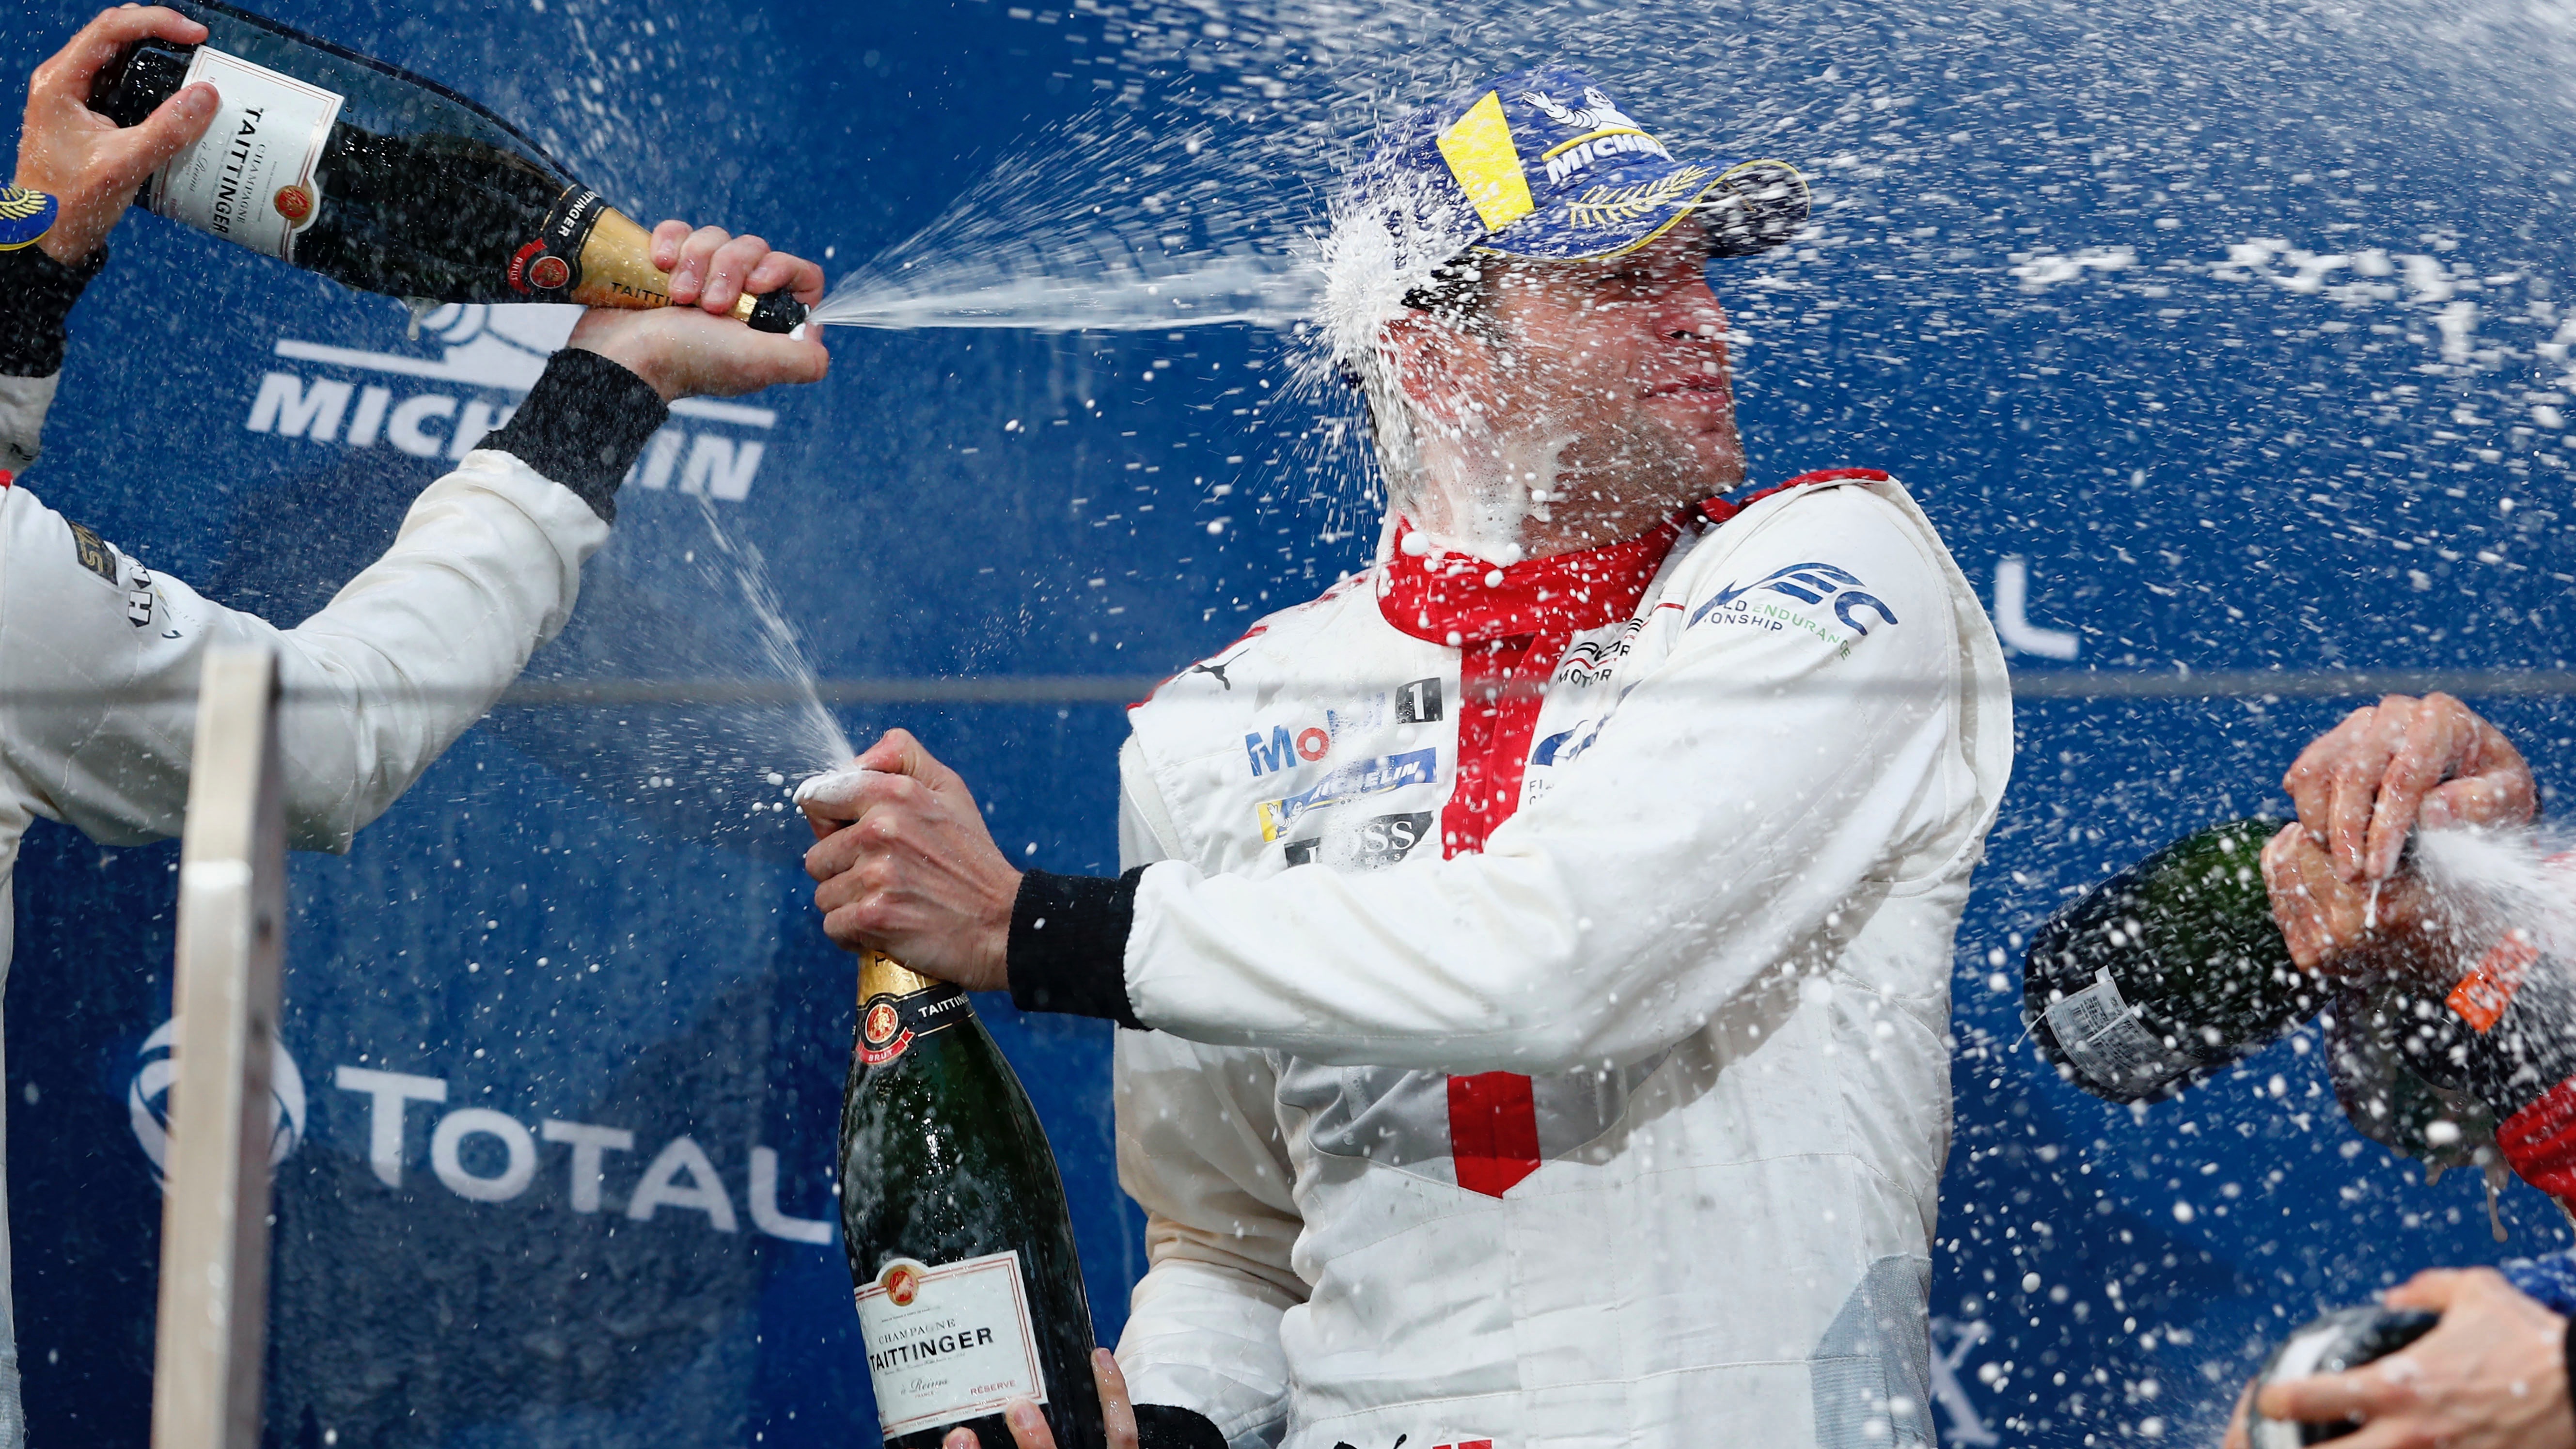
2338	1342
2168	970
969	1289
379	179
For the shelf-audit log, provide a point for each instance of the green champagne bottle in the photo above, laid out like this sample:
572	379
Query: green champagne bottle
381	180
2167	971
969	1288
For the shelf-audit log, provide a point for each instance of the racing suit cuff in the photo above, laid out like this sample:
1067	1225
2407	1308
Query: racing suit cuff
36	294
584	424
2539	1141
1068	947
1165	1426
2549	1281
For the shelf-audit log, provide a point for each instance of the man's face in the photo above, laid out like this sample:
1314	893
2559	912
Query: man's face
1619	366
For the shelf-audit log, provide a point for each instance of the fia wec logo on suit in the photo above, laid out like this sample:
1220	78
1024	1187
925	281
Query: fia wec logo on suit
1810	583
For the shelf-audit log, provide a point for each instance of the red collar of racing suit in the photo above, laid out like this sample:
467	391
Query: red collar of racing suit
1510	623
1463	601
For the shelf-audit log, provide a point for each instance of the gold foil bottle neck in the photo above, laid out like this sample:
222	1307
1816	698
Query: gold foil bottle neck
617	269
882	975
617	266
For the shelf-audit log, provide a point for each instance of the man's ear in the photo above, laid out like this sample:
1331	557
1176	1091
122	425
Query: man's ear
1429	359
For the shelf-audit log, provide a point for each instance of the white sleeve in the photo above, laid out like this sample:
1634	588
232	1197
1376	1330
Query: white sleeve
1744	790
1199	1150
99	657
24	401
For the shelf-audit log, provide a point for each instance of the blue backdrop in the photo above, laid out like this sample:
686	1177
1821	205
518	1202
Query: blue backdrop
2228	333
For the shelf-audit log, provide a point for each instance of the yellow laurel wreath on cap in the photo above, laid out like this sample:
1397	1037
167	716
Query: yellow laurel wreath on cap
18	204
1611	205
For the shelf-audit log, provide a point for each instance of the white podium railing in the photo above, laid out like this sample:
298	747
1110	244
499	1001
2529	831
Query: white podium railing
206	1382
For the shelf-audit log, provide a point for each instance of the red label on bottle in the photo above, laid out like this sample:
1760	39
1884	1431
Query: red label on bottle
889	1025
519	265
550	263
902	1284
882	1035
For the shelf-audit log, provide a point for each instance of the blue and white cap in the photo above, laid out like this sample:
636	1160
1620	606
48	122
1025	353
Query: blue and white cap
1543	164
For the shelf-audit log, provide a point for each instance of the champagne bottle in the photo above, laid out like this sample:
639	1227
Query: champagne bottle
379	179
969	1289
2168	970
2338	1342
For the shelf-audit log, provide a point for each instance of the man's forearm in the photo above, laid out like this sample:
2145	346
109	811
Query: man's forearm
404	659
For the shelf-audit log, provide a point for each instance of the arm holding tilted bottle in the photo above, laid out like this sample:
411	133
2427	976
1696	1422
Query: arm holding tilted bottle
2347	907
100	657
91	169
2216	944
2344	915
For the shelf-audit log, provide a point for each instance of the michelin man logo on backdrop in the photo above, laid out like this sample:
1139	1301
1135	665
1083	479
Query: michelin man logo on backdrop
488	358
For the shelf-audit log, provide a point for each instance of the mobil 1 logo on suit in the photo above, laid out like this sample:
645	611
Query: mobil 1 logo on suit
470	366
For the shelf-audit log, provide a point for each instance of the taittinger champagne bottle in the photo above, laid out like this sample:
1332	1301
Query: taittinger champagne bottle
2168	970
382	180
969	1290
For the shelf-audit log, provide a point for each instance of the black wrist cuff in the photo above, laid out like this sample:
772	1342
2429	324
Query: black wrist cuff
1068	949
36	294
1165	1426
584	424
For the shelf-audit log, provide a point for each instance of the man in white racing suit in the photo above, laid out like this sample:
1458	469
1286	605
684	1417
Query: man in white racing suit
1540	944
100	656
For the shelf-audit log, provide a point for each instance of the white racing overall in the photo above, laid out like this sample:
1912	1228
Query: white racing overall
1550	968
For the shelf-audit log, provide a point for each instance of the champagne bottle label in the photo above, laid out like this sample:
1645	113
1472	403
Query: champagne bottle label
548	266
948	1343
2098	1032
250	178
889	1024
